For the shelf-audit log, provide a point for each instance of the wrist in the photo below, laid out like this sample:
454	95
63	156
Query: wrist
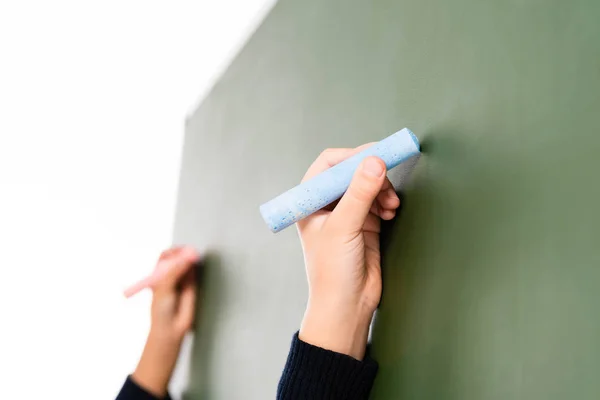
166	337
343	330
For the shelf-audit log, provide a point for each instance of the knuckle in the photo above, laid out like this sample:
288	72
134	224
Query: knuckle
327	153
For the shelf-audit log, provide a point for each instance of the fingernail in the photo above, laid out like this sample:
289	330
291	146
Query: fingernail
373	167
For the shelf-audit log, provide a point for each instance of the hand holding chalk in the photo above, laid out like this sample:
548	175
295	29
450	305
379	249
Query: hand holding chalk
341	252
173	310
328	186
175	261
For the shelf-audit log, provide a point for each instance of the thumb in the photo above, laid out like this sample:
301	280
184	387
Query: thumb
352	210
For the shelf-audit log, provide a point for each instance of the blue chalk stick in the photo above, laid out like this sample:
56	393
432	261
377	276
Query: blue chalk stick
325	188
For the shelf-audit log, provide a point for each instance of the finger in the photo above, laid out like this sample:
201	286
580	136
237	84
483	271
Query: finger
387	210
167	271
353	208
372	223
387	198
178	266
375	208
388	214
187	301
330	157
170	252
327	159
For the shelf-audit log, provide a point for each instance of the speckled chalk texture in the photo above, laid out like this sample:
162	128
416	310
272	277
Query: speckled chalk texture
325	188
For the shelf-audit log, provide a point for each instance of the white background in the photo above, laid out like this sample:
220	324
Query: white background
93	97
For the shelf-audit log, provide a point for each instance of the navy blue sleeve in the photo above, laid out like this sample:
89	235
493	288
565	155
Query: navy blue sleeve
315	373
132	391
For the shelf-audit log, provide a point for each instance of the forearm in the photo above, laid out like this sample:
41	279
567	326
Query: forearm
157	363
173	286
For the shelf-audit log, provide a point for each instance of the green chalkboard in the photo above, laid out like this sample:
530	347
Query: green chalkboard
492	272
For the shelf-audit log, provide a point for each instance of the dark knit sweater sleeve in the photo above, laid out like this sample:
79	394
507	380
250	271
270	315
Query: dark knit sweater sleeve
315	373
132	391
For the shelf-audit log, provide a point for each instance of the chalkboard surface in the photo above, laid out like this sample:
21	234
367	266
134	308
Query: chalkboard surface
492	273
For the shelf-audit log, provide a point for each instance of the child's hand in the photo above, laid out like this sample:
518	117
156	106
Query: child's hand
341	252
175	294
173	310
